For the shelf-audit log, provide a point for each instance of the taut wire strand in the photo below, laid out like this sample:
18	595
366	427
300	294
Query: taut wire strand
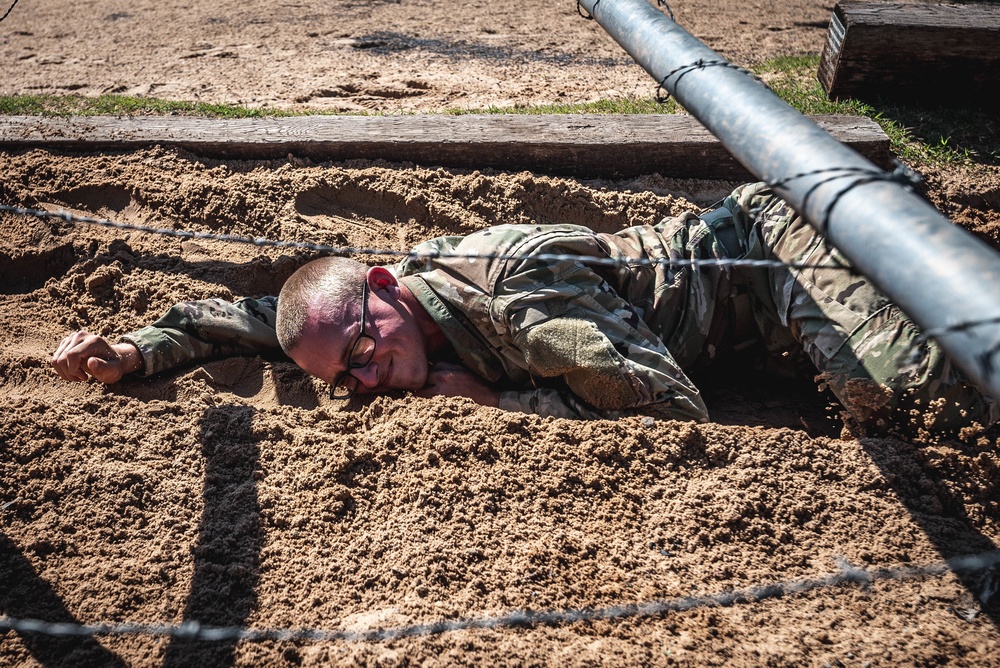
422	256
985	359
986	563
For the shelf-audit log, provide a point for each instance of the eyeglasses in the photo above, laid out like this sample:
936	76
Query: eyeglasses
345	385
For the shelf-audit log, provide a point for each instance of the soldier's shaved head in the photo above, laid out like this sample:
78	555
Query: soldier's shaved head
319	287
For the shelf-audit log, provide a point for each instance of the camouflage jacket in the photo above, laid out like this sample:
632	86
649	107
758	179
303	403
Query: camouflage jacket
563	337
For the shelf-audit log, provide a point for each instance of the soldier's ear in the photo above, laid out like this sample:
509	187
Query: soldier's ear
380	278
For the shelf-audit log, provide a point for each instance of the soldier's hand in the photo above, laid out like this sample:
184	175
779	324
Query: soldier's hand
82	355
452	380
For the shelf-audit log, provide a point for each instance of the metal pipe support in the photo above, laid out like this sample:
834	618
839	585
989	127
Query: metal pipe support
938	273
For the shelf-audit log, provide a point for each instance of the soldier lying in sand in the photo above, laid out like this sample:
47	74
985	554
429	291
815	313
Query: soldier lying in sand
570	338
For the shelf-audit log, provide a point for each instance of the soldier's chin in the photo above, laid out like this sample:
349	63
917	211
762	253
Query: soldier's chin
409	377
395	383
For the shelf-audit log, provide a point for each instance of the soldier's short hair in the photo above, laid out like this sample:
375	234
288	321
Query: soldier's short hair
326	283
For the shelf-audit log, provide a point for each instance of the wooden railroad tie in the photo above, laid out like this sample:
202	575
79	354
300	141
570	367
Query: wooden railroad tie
585	145
930	54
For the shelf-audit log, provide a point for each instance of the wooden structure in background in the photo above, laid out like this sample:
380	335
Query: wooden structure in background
587	145
935	54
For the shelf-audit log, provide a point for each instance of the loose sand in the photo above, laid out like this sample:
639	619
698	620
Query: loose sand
236	494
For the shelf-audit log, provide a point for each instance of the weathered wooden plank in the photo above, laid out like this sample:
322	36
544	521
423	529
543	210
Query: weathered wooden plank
582	145
924	53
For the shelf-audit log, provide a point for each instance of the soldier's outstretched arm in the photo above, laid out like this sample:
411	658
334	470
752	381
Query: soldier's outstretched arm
189	332
207	329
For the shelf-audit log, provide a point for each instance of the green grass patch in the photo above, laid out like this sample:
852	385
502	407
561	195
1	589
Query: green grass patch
936	136
616	106
948	135
124	105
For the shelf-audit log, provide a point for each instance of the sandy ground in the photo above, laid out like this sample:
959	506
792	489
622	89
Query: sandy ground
236	494
349	55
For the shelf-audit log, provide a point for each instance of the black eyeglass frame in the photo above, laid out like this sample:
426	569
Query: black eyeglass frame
344	378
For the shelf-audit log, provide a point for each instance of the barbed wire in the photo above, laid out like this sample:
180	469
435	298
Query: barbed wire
7	13
900	174
579	10
670	12
986	563
699	64
590	17
426	255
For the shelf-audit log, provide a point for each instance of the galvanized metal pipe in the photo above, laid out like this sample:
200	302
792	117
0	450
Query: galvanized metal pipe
938	273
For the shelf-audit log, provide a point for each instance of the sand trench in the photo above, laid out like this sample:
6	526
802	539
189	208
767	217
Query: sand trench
236	494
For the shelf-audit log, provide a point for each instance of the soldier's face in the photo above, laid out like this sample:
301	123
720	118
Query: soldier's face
400	358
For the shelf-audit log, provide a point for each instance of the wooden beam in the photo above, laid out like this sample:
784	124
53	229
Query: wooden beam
580	145
919	53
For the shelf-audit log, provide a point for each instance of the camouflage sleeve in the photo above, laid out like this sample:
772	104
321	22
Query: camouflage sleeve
193	331
580	330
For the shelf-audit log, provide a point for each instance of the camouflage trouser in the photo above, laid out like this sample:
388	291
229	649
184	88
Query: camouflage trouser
867	351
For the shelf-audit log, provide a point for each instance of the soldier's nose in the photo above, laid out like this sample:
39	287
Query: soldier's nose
367	375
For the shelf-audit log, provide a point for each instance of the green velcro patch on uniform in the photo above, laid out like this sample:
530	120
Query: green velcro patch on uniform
576	350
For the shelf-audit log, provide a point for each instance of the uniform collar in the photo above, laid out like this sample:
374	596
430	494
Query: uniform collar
474	353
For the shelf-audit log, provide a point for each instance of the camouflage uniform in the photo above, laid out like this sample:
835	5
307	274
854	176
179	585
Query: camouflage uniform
867	351
194	331
592	340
